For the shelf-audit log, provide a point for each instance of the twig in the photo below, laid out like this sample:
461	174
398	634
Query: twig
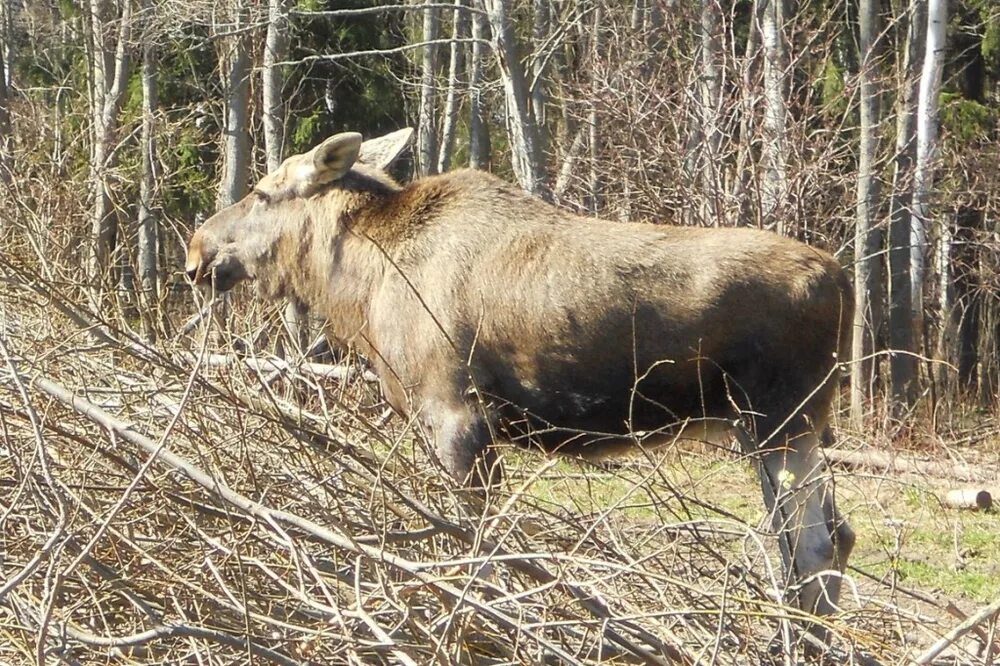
322	370
363	11
274	516
198	317
334	57
170	629
952	636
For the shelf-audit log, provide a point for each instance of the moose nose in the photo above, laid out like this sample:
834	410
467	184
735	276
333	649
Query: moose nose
196	266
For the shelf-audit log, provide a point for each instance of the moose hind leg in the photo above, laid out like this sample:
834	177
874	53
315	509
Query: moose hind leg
798	491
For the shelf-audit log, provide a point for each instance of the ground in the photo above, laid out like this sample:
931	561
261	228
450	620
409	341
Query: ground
913	553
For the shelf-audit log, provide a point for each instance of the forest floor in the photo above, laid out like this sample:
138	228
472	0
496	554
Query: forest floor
905	532
914	553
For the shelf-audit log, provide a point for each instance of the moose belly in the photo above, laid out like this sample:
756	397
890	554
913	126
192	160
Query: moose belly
601	411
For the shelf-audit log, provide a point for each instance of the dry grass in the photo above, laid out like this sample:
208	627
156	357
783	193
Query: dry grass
186	514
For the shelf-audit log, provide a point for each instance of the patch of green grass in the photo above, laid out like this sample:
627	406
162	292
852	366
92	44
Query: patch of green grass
585	489
937	577
902	528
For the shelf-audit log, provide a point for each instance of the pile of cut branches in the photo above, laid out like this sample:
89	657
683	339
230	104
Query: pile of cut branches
162	504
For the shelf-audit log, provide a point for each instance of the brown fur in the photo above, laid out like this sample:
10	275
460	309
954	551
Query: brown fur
490	313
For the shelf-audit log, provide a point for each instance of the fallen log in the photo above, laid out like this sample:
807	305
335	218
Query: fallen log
888	462
969	498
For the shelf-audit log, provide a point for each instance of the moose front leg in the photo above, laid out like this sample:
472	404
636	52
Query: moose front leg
798	492
813	538
462	439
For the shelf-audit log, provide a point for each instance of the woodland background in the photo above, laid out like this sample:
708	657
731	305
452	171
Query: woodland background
167	495
850	125
846	123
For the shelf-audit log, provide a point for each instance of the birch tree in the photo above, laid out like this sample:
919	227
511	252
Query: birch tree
596	178
923	174
774	148
296	316
456	66
902	365
710	103
235	57
638	17
6	139
110	32
479	135
867	238
148	244
427	151
540	28
520	121
6	136
272	81
6	43
745	177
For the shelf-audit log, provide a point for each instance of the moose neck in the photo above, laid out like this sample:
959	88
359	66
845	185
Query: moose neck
328	267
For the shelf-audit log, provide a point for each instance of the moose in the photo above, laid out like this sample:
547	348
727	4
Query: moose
491	316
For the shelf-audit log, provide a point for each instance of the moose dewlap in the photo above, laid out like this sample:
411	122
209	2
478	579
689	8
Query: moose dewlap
489	313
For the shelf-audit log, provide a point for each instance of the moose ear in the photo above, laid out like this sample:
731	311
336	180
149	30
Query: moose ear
333	158
383	151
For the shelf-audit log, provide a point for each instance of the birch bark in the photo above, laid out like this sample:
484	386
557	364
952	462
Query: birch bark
148	242
109	74
902	365
427	150
520	122
923	174
867	238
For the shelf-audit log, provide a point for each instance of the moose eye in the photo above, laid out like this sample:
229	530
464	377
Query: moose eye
262	197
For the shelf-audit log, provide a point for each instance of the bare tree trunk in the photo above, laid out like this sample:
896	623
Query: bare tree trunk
109	71
902	365
596	180
235	139
539	64
945	292
456	65
7	43
867	238
775	149
566	170
296	316
272	80
427	151
236	71
710	106
479	135
148	227
654	26
520	123
6	139
745	175
988	339
923	176
638	19
6	54
694	142
966	297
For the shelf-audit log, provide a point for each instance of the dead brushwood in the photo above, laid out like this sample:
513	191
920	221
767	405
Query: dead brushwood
161	506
